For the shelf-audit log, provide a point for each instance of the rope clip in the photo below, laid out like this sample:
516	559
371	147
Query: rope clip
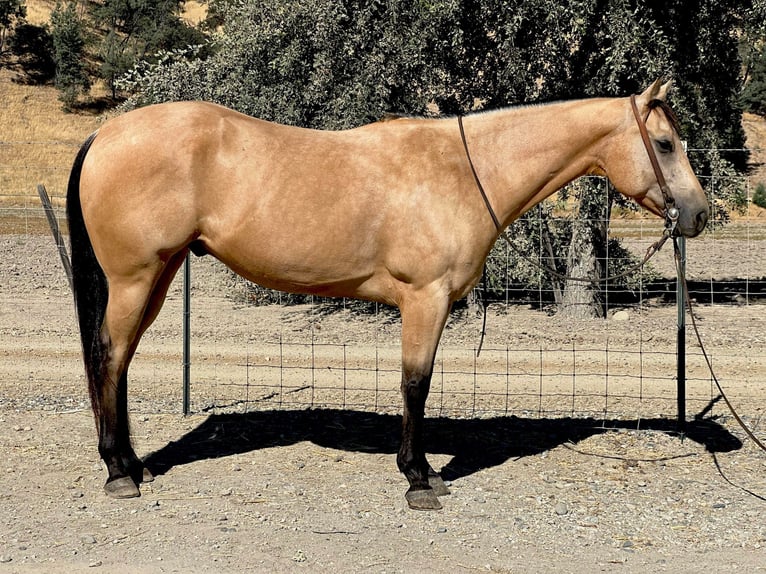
671	220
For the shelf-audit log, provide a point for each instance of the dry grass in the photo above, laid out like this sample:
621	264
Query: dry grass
38	141
39	11
755	129
194	12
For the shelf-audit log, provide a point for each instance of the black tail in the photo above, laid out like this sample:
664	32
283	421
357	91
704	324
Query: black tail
89	282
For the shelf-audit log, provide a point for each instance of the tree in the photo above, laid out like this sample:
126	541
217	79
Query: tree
69	49
316	63
137	30
337	64
11	13
618	47
754	93
759	195
33	48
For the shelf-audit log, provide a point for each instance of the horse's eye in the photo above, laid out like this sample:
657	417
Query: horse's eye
666	146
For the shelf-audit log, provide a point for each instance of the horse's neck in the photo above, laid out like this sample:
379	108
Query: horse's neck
523	155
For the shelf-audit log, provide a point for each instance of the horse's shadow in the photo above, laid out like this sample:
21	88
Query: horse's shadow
474	444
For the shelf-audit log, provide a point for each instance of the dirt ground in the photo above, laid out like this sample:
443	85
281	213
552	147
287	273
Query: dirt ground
317	490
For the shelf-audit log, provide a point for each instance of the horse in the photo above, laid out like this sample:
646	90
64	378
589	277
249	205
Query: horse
388	212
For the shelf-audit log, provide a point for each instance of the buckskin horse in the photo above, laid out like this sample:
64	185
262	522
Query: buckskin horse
390	212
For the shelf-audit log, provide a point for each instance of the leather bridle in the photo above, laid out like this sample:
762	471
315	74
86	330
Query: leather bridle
670	211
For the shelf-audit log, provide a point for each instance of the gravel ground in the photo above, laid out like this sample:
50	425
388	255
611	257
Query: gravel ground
317	490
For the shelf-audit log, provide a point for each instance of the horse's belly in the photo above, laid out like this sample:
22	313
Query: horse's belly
298	265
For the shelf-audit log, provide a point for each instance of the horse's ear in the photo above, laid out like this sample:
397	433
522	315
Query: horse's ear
662	93
657	91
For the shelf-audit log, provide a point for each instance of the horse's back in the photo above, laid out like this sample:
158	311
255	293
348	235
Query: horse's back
291	208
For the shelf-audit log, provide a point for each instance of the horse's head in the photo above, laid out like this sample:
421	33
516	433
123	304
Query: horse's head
629	162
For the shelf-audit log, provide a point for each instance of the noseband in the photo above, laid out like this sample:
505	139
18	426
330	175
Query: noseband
671	211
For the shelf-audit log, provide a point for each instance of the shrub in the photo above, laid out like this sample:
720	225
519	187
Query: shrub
759	196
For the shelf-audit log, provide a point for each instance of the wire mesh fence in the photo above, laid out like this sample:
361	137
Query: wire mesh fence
251	350
575	382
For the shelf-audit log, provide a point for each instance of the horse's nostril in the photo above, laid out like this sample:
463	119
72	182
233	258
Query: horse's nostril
701	220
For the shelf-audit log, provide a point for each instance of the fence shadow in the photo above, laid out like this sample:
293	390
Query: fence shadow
474	444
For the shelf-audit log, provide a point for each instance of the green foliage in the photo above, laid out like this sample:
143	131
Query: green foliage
137	31
759	195
33	47
68	48
340	63
316	63
325	63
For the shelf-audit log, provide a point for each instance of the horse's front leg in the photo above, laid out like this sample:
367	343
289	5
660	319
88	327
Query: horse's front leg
422	324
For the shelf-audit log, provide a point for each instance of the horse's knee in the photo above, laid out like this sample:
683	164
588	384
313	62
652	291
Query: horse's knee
415	388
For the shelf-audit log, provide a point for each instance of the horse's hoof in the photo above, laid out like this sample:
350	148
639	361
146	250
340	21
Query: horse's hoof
146	475
423	500
437	484
138	472
123	487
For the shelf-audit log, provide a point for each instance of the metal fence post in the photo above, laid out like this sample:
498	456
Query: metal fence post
681	338
187	336
680	244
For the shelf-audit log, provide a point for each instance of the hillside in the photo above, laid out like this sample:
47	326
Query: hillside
38	140
39	11
755	129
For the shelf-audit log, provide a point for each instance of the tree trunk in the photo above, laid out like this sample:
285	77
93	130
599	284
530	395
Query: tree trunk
545	235
581	299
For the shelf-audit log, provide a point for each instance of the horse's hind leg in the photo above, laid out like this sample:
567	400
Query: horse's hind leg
124	314
133	305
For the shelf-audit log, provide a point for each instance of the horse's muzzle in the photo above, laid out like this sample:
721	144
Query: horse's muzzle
695	225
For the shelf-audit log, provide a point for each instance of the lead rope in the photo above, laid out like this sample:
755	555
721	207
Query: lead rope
671	219
682	276
484	301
